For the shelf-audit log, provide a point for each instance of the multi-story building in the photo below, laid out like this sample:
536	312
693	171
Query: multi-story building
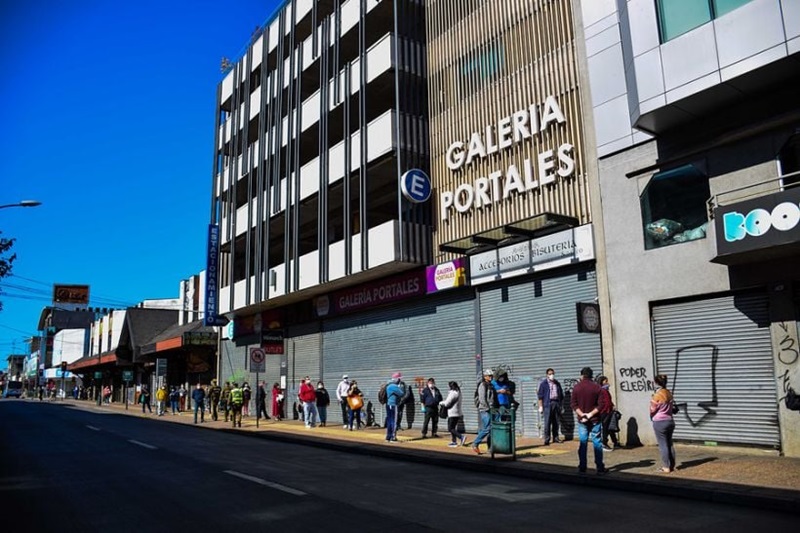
316	123
697	128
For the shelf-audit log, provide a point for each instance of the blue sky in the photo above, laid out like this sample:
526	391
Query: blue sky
109	112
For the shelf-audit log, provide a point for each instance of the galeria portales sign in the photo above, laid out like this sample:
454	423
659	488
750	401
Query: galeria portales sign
520	126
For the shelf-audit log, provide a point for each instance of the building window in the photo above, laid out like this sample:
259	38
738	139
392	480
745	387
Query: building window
789	161
674	207
676	17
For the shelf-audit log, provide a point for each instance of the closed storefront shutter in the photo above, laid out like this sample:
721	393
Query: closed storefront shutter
233	364
273	370
303	345
431	337
530	325
717	355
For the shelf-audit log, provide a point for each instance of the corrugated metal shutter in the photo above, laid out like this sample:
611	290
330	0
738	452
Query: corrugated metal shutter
433	337
273	371
303	345
531	325
233	363
717	355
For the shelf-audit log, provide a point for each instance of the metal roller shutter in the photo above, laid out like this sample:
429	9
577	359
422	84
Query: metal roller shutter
531	325
233	362
433	337
717	355
304	348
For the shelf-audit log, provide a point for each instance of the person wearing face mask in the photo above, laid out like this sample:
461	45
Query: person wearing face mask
550	397
430	398
309	398
323	401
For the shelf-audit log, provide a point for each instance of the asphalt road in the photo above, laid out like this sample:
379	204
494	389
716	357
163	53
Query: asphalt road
69	469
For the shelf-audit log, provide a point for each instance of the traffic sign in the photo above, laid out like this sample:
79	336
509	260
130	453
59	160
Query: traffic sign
257	360
127	375
416	185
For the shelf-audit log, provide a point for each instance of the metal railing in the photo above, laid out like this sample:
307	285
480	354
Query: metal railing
765	187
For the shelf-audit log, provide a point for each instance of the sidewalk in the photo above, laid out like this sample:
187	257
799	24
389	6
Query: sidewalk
739	476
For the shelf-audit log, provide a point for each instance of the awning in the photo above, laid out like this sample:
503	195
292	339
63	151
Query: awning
193	334
523	229
91	361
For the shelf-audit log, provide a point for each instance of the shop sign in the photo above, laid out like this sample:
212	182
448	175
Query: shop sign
200	338
521	177
563	248
372	294
446	275
255	324
272	341
161	367
127	376
212	317
747	229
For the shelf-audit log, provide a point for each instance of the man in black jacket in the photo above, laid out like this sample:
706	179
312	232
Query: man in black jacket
261	402
430	398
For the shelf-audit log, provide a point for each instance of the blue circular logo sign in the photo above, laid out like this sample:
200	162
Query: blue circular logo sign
416	185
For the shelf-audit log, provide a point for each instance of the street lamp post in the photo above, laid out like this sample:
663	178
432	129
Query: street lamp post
23	203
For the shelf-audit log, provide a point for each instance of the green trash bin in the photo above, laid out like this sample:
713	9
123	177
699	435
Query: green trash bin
503	432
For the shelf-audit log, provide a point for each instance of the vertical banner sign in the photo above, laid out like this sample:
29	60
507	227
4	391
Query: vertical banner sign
212	277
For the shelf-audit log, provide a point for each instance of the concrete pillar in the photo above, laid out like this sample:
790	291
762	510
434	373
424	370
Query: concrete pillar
786	353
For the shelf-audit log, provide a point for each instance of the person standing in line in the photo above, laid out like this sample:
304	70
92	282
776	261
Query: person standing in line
308	396
247	394
406	400
214	395
144	399
355	401
261	401
174	400
485	400
606	413
342	392
662	407
235	402
551	395
277	411
455	415
183	393
430	397
587	403
225	400
199	397
394	394
161	400
323	401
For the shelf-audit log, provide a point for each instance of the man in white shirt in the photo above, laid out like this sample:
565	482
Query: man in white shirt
341	395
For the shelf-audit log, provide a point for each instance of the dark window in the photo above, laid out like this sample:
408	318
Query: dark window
676	17
674	207
789	159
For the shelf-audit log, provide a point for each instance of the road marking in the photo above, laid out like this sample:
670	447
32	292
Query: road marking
93	428
266	483
142	444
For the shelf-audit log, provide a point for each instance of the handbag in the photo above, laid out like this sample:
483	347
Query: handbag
355	402
613	421
442	411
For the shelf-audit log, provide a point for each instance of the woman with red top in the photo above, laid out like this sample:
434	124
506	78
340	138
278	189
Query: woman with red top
277	397
606	414
662	407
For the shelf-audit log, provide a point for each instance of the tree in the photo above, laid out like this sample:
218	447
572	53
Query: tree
6	261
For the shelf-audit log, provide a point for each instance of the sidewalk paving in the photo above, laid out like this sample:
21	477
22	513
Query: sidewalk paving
740	476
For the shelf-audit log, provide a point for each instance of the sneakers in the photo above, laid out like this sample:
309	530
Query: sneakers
607	448
476	450
463	440
453	445
557	440
601	471
346	426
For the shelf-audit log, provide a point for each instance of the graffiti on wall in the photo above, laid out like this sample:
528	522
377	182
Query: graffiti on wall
788	355
703	357
632	379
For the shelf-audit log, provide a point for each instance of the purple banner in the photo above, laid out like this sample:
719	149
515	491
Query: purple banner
372	294
446	275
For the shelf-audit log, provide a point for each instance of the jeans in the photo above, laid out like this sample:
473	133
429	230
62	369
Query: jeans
161	407
551	413
199	407
174	406
432	415
310	414
391	422
323	414
354	414
486	426
584	432
664	430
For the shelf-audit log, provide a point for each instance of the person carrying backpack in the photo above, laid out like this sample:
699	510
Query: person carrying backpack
430	397
485	399
393	396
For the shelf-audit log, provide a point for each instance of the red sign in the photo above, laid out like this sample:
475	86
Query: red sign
372	294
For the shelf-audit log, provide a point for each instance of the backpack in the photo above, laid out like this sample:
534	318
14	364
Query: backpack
491	397
382	396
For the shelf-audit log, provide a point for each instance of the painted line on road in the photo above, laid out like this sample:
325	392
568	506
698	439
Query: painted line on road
93	428
142	444
266	483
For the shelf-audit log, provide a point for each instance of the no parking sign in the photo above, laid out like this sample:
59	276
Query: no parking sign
257	360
